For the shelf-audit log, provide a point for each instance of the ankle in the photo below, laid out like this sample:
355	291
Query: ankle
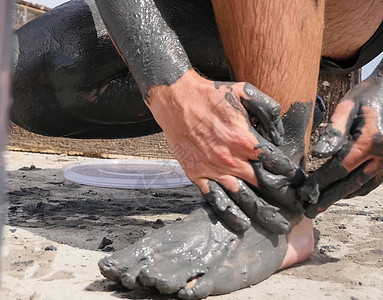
300	244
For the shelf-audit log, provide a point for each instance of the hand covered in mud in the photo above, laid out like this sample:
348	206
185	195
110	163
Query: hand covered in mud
207	127
354	137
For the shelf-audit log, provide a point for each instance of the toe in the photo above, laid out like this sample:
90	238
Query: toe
108	268
170	275
203	287
130	277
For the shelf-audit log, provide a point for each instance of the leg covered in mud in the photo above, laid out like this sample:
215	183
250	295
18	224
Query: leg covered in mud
201	249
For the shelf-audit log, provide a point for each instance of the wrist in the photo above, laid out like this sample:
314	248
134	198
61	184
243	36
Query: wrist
176	94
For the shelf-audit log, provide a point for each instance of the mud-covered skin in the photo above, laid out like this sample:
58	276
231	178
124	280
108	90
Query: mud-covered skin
202	247
357	164
66	101
295	123
156	58
150	48
199	246
69	79
276	174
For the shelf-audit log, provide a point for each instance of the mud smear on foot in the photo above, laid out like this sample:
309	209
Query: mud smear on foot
199	247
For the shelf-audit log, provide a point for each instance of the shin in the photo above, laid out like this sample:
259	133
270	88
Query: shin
277	47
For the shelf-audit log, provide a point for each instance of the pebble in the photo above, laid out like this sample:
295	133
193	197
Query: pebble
105	242
50	248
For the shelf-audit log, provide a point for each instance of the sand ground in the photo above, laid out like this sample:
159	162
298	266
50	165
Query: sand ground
47	212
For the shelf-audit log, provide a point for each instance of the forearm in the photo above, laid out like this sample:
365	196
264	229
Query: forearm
148	46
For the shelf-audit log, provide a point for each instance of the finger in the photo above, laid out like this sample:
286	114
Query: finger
332	171
365	189
266	110
336	131
348	185
276	162
263	213
226	209
275	189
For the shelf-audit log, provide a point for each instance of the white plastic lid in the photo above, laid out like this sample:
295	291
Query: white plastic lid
127	173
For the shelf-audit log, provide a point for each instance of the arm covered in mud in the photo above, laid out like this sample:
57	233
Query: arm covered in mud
206	123
354	139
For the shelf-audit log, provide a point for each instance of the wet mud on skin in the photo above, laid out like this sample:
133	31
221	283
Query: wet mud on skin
201	247
359	139
197	246
274	170
347	261
150	48
61	99
295	123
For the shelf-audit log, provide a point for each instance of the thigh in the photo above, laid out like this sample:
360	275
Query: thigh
70	81
349	24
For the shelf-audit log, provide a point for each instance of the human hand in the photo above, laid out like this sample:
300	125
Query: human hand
207	128
356	167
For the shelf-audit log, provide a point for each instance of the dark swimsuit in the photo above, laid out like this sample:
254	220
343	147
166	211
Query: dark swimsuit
371	49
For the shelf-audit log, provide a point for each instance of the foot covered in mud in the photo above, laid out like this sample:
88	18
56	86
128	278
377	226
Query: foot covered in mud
199	248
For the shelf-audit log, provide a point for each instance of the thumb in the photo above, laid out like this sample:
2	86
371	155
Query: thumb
337	130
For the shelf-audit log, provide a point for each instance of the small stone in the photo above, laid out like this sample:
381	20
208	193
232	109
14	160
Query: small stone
158	224
108	249
105	242
380	219
178	219
13	230
50	248
361	213
342	204
342	226
31	168
325	249
354	298
37	296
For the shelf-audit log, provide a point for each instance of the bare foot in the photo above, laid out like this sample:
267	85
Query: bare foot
197	257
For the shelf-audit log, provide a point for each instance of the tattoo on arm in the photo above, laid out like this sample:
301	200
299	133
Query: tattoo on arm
148	46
